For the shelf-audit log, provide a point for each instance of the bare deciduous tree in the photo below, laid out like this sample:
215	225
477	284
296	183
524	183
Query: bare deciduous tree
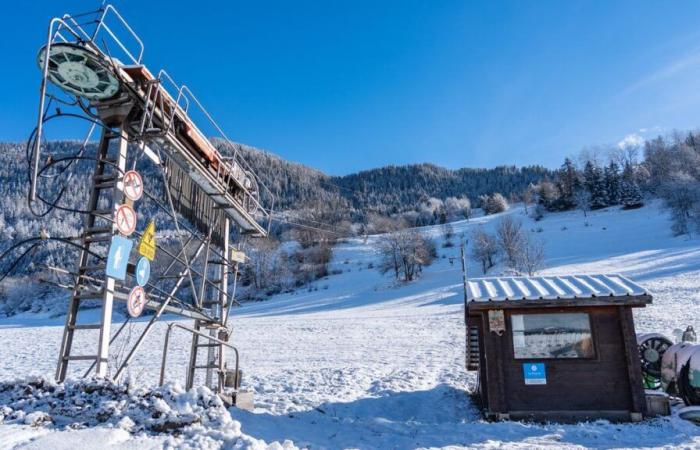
510	238
484	248
531	257
405	253
582	198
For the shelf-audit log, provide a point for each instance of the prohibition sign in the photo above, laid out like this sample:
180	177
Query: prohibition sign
136	301
133	185
126	219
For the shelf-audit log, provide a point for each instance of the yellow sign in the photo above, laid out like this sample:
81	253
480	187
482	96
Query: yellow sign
237	256
147	244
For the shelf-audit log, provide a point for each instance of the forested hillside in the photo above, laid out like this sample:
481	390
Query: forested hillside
385	190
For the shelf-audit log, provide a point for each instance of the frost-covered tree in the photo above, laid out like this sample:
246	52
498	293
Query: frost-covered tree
484	248
595	183
405	253
682	196
509	233
531	255
493	204
582	199
458	208
613	186
630	195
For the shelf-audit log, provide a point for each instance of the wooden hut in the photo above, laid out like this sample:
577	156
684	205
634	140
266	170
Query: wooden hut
559	348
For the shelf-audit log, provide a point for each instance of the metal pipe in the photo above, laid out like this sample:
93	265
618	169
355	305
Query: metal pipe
172	325
155	317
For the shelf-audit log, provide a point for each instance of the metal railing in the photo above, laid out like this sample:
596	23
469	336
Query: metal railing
100	30
222	376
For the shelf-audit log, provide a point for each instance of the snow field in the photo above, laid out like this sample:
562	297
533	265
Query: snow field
364	363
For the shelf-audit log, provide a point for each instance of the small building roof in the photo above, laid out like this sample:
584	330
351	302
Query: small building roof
566	287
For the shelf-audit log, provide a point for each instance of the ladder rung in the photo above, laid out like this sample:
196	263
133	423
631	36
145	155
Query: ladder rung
91	326
105	177
98	230
207	345
105	238
80	358
207	366
106	185
102	212
86	295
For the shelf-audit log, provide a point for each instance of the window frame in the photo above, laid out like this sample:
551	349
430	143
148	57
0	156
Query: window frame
591	325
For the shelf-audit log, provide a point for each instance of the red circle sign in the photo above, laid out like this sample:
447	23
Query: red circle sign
133	185
126	219
136	301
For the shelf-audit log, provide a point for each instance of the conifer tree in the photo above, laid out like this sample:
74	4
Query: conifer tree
612	183
595	183
631	194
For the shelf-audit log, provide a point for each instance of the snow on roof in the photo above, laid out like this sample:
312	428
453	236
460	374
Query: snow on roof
551	287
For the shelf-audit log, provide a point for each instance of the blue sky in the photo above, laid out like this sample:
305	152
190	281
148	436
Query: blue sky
350	85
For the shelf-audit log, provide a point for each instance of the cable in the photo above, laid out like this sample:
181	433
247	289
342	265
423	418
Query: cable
15	263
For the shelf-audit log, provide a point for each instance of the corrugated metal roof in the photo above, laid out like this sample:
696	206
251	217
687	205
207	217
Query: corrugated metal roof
551	287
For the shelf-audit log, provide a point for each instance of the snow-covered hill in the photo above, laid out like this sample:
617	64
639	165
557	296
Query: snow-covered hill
358	361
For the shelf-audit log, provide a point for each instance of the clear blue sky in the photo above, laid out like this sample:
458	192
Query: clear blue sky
344	86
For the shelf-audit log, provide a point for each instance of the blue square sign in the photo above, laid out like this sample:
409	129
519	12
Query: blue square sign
118	257
534	373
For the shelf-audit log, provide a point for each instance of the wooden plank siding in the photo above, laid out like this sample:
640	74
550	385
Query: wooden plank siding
607	385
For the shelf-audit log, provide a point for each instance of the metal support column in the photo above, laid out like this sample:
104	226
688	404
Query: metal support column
107	179
108	296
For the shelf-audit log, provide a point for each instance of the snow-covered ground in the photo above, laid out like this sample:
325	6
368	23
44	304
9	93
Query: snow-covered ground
361	362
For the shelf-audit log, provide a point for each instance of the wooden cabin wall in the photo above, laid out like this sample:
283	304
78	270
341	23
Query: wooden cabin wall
601	383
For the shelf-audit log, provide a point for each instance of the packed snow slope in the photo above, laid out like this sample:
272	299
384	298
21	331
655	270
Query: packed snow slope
360	361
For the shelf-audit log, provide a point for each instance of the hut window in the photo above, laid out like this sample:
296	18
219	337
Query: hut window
546	336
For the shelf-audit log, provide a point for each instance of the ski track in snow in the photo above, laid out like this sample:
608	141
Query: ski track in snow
364	363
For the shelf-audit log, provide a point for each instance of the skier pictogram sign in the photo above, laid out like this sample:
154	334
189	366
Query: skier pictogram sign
126	219
133	185
118	257
147	244
136	302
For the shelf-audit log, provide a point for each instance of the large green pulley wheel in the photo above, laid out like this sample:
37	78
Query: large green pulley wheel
79	71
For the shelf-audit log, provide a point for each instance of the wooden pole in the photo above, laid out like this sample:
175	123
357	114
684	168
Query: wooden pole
464	285
462	244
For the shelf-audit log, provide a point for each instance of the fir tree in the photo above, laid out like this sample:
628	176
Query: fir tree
595	183
567	183
631	194
612	184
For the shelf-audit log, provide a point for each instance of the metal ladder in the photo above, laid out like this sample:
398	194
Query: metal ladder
218	301
104	183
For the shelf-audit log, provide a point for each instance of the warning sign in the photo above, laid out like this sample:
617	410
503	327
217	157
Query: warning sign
136	302
133	185
147	244
126	219
237	256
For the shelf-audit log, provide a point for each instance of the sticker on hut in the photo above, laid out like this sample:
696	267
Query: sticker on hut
534	373
497	323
